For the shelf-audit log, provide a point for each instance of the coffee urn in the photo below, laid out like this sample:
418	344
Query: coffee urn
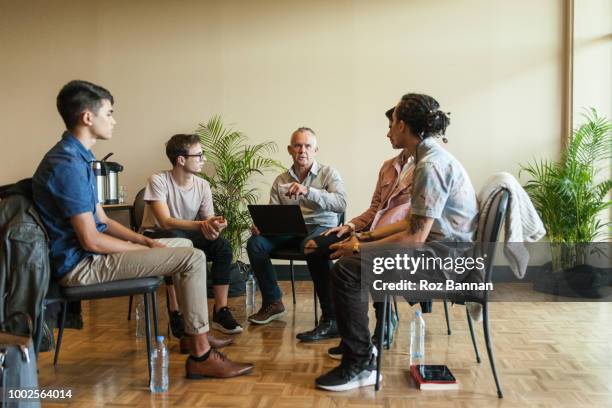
107	180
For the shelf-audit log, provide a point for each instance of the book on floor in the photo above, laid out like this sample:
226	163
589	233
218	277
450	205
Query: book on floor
433	377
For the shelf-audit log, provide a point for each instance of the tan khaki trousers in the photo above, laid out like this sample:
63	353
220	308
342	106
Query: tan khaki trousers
185	264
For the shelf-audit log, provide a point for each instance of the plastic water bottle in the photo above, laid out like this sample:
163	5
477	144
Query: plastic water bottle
251	290
417	340
140	319
159	361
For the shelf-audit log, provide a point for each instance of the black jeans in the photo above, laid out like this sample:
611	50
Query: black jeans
218	251
259	248
352	309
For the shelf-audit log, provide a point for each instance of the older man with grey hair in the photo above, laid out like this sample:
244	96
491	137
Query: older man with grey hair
320	193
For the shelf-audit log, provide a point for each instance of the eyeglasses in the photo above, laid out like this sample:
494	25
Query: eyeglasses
200	156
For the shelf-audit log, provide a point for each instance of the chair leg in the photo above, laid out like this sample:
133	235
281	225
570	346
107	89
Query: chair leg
448	329
387	317
168	309
380	347
396	309
316	308
154	307
292	280
147	332
60	332
39	326
485	323
471	326
130	307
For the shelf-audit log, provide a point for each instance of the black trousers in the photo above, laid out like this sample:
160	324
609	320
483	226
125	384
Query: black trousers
218	251
352	308
320	271
320	267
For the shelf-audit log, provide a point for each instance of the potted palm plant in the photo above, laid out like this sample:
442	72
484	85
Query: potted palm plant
570	194
235	163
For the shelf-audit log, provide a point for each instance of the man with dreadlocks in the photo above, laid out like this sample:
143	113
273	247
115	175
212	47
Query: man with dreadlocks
443	211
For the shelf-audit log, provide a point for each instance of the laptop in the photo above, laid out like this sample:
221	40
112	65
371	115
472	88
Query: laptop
278	219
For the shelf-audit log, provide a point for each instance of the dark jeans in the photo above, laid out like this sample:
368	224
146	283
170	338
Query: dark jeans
352	309
218	251
259	248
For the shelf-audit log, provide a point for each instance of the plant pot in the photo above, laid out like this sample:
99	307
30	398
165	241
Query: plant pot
581	281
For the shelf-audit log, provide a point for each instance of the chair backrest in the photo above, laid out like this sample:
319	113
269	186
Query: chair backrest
491	229
139	208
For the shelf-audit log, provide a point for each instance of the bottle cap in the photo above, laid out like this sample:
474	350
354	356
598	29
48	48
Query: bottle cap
418	313
160	339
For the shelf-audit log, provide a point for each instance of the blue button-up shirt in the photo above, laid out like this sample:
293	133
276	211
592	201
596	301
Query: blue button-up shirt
64	185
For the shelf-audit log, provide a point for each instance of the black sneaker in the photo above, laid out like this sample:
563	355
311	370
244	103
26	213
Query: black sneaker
177	325
224	321
327	329
348	376
336	352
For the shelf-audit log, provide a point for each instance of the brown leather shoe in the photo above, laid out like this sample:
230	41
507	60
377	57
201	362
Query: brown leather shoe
268	312
217	365
215	342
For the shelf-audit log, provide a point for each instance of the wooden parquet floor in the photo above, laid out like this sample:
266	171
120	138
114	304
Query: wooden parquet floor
548	355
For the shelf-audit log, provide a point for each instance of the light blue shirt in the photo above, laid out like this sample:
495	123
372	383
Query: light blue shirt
442	190
326	197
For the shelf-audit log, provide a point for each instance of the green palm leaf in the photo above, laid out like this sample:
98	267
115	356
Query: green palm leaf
235	163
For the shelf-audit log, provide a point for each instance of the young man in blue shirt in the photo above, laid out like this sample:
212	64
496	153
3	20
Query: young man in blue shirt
87	247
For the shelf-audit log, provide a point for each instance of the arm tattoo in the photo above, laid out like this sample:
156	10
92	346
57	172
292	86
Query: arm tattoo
417	223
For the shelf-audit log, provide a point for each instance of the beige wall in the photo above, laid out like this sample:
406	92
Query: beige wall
592	57
271	66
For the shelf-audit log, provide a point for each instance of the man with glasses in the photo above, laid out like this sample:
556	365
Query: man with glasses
180	205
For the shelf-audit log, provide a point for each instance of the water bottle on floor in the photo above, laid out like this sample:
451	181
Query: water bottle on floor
417	339
251	290
140	319
159	362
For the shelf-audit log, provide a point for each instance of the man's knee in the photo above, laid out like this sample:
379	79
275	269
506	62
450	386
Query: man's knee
197	260
346	270
222	246
255	245
176	242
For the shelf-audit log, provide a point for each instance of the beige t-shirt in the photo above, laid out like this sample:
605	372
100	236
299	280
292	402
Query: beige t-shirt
195	203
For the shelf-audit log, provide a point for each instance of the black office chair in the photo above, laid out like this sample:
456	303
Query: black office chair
489	236
56	294
294	254
129	287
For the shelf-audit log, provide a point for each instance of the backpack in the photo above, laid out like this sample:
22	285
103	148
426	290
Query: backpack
24	258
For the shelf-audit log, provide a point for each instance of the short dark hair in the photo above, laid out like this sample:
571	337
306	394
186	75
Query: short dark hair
422	115
78	96
389	113
179	145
